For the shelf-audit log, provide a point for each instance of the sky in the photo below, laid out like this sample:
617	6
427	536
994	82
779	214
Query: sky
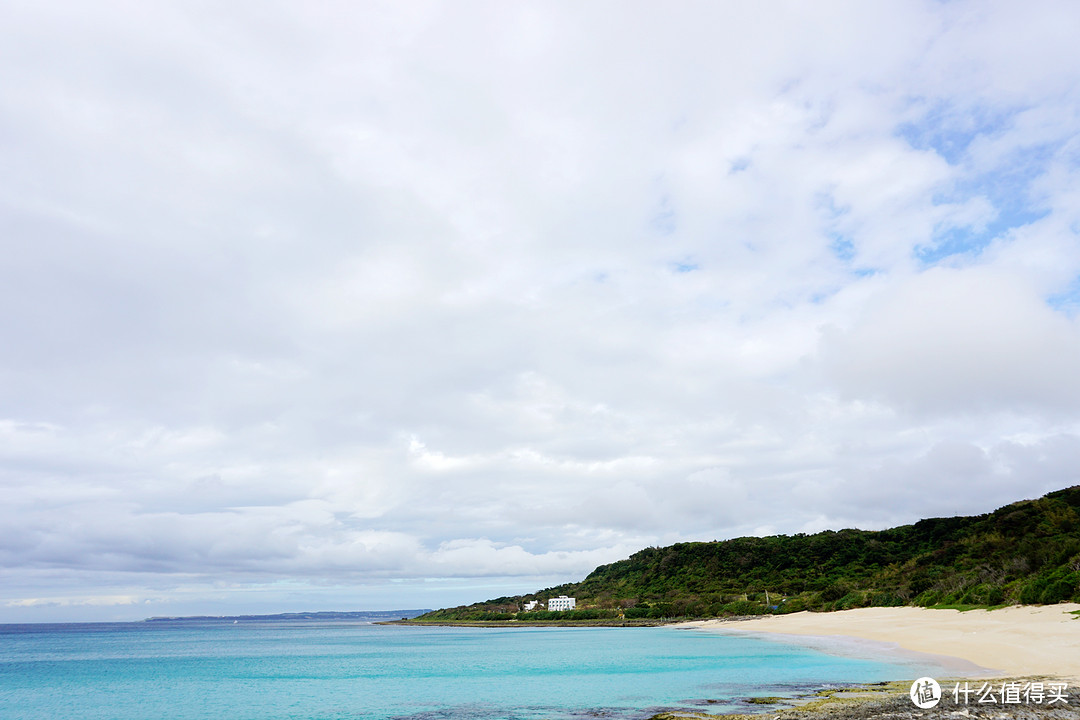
363	305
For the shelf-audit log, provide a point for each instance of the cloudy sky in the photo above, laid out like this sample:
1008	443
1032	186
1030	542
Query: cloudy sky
332	306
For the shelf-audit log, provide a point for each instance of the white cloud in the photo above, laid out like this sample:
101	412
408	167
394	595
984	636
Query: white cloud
307	299
69	601
964	340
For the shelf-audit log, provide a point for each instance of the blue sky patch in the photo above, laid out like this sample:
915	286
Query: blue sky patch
842	247
1008	188
1068	300
961	241
949	131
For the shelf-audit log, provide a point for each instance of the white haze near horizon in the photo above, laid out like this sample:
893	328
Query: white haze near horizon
333	306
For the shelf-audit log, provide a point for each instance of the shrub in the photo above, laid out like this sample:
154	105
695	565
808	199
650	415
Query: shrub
1031	593
792	605
744	607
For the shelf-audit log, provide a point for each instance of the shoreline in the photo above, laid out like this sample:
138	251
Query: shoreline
921	663
642	622
1017	641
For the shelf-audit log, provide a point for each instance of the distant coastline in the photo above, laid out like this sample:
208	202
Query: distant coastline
610	622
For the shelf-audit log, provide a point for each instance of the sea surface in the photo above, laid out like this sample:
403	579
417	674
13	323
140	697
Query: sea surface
333	670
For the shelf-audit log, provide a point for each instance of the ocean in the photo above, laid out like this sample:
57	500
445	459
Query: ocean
333	670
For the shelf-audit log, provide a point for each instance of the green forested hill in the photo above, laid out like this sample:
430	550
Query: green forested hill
1026	552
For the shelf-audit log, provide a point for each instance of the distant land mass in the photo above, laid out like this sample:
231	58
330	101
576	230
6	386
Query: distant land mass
361	615
1027	552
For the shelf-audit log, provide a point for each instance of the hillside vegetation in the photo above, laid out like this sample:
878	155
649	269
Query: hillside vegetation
1027	552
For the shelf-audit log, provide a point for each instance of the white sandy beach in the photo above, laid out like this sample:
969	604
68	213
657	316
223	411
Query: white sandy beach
1015	641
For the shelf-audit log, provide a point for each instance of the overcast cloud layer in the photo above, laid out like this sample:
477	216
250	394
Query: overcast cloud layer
394	305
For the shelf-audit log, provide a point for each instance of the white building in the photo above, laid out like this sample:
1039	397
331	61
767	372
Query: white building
531	605
562	603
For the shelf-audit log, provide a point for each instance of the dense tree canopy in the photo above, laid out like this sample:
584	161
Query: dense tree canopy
1027	552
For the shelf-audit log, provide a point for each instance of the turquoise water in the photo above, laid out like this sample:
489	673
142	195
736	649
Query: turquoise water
336	670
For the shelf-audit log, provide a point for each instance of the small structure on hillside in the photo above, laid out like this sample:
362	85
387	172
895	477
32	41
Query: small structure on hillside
562	603
531	605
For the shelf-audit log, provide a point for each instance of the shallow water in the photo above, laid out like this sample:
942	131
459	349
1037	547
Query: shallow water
334	670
